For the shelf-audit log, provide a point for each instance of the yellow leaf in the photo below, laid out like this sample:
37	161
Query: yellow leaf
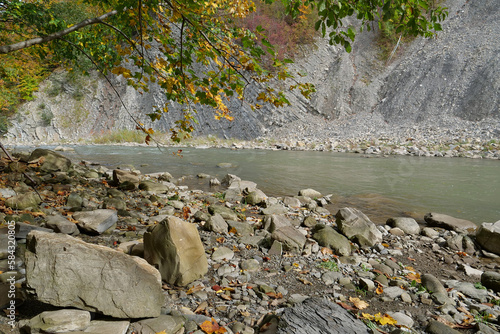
162	332
387	320
358	303
368	316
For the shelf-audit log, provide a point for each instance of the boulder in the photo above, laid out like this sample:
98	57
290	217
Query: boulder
275	222
241	228
311	193
408	225
50	161
68	272
74	201
274	209
175	248
57	322
107	327
491	280
256	197
61	225
225	212
23	229
450	223
120	176
23	201
328	237
355	225
290	237
97	221
156	187
488	236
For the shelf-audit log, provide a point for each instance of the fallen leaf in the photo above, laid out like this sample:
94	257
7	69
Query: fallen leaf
194	289
414	277
220	240
326	250
185	212
225	297
347	306
367	316
212	327
305	281
233	230
275	295
216	287
358	303
387	320
202	307
379	290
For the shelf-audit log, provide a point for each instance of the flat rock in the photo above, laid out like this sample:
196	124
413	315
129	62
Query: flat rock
241	228
163	324
107	327
23	229
222	253
450	223
57	322
226	213
97	221
319	316
274	222
311	193
328	237
408	225
50	160
23	201
61	225
436	327
216	224
175	248
291	239
67	272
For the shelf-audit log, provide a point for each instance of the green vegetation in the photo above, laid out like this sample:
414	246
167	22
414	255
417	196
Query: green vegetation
329	265
234	37
479	286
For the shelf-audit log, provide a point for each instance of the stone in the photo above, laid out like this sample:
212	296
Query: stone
318	315
309	221
97	221
241	228
328	237
166	324
68	272
436	327
57	322
74	201
50	160
291	238
222	253
256	197
107	327
471	272
274	209
114	203
250	265
174	247
402	319
432	284
366	284
23	201
61	225
226	213
469	290
408	225
120	176
274	222
450	223
430	232
292	202
357	226
393	292
156	187
216	224
491	280
23	229
488	237
311	193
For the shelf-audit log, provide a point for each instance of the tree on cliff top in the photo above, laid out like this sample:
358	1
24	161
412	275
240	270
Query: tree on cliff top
164	42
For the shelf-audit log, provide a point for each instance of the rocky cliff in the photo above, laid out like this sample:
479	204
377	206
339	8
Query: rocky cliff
447	85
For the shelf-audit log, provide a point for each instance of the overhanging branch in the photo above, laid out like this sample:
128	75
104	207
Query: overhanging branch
40	40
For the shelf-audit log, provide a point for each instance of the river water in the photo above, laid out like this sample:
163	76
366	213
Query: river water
381	187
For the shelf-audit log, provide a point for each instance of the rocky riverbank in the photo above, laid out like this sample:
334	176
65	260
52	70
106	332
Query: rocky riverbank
89	240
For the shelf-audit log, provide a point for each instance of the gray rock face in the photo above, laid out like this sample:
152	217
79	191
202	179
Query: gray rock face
97	221
328	237
64	271
488	236
321	317
175	248
408	225
450	223
355	225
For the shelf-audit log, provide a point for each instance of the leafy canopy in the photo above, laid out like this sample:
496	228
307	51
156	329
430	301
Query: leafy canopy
193	49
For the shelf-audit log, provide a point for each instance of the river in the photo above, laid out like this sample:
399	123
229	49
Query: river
379	186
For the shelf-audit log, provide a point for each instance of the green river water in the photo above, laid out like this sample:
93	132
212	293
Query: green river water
381	187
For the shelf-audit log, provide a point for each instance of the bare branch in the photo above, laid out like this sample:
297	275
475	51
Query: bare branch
57	35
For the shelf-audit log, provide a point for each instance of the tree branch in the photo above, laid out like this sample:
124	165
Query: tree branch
40	40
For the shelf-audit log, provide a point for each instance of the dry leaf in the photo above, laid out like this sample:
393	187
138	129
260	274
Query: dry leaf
326	250
379	290
233	230
303	280
367	316
414	277
162	332
387	320
212	327
225	297
202	307
194	289
347	307
358	303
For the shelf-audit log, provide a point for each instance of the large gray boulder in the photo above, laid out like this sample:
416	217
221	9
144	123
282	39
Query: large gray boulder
97	221
450	223
355	225
175	248
488	236
68	272
50	161
408	225
328	237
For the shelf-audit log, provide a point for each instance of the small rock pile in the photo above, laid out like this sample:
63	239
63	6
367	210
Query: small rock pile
115	251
